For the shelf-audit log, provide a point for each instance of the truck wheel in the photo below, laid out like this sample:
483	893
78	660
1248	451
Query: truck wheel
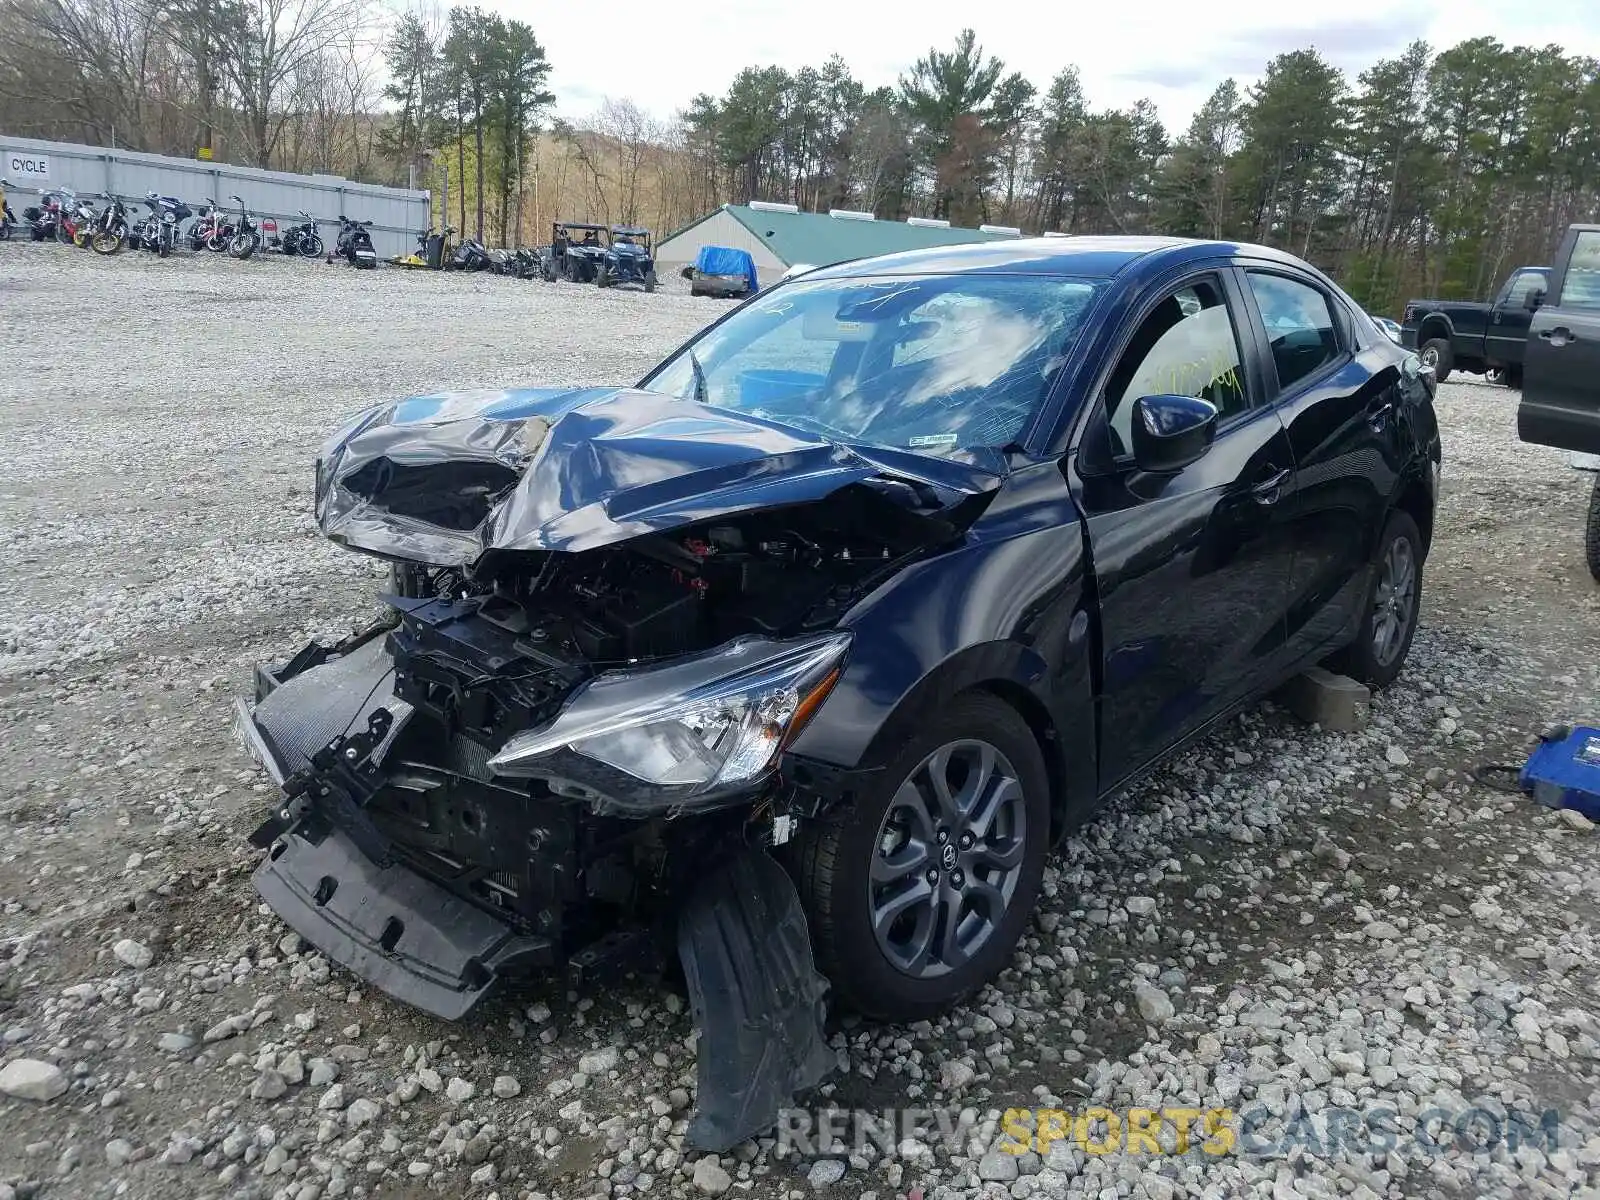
1591	537
917	893
1392	606
1436	353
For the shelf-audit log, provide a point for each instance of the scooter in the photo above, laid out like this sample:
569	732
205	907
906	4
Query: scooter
354	244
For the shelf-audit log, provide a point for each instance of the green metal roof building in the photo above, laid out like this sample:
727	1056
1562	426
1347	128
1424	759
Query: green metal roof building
780	236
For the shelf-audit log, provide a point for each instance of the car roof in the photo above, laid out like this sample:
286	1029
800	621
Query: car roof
1085	256
631	229
581	225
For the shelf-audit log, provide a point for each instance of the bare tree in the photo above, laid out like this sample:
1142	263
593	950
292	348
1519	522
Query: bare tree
271	41
632	134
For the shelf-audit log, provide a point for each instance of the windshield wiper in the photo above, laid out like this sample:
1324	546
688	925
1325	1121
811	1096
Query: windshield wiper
700	389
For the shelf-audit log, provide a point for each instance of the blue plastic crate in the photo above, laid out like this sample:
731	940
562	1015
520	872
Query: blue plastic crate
1564	770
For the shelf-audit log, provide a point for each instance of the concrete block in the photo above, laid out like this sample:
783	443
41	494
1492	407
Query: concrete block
1335	702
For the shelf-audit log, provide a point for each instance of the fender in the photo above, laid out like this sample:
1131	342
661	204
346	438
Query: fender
1010	611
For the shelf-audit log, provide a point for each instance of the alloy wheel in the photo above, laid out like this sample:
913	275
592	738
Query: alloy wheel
1395	600
1429	356
947	859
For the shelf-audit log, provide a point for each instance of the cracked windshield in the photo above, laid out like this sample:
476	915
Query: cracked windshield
924	363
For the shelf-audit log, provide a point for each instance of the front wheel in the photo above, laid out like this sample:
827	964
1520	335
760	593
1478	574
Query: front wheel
1436	353
650	281
106	241
1393	605
918	892
310	246
242	246
1591	535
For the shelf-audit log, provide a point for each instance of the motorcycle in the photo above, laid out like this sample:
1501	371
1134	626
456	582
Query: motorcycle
110	231
8	220
246	237
354	244
158	232
42	218
211	229
470	256
301	239
75	220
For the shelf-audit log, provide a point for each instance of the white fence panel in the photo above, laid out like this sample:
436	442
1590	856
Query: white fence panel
397	214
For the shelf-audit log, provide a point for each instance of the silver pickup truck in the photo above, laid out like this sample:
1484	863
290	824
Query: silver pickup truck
1560	403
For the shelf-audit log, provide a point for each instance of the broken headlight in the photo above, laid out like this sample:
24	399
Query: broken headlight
699	724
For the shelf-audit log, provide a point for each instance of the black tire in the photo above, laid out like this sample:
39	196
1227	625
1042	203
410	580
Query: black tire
1362	660
835	856
649	281
1512	376
310	246
105	241
602	276
1437	353
1591	533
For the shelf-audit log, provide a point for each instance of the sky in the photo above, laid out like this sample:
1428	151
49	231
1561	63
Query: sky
1173	52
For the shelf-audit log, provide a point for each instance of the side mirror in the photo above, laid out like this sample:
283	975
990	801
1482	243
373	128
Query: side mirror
1533	300
1171	432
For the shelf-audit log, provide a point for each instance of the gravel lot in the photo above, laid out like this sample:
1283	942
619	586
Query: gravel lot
1290	921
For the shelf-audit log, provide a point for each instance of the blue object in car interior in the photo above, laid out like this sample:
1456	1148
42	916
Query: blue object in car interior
763	387
1564	770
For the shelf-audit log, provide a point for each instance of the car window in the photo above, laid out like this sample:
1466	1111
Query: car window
1521	285
1186	346
1581	288
930	363
1299	324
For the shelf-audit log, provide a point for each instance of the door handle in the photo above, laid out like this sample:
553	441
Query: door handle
1270	489
1559	336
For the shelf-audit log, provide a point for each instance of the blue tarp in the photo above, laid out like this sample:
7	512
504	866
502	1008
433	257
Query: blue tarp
724	260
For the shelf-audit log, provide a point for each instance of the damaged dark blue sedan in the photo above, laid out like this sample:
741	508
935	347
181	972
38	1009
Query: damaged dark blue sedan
791	662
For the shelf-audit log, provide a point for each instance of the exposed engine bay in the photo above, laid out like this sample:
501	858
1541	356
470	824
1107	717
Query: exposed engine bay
498	651
561	746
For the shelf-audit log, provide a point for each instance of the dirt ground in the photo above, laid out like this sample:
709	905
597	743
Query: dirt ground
1289	919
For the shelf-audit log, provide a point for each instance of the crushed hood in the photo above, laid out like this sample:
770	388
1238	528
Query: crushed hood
442	479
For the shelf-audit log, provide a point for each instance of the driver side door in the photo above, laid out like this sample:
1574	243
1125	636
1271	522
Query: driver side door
1192	566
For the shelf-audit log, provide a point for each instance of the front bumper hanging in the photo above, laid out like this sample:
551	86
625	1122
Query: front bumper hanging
338	882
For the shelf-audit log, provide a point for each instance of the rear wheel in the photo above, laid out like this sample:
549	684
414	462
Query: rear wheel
1591	537
650	281
1392	607
1436	353
918	891
106	241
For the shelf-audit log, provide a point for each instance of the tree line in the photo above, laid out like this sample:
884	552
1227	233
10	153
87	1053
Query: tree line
1430	172
1435	171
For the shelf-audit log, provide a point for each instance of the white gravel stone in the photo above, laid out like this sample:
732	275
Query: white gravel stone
710	1178
32	1079
133	954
